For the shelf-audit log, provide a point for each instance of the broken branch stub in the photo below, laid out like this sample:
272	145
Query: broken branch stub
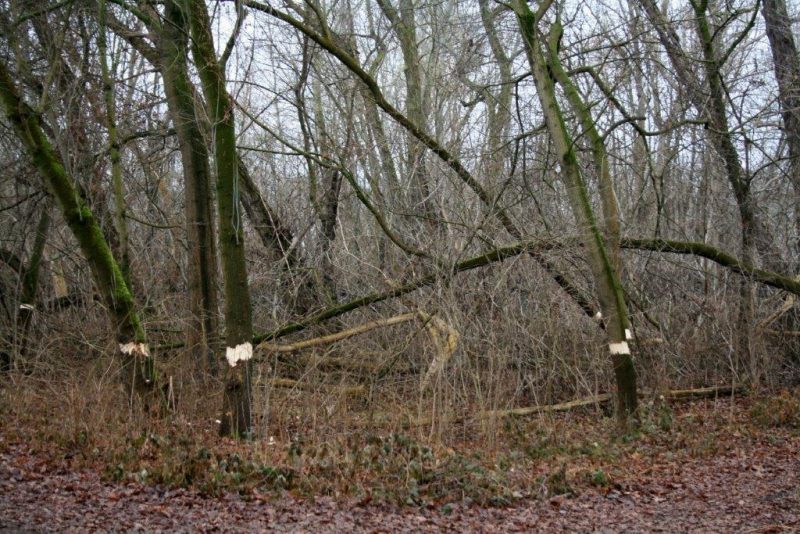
445	346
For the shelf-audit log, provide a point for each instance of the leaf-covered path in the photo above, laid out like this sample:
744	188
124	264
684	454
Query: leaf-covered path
755	488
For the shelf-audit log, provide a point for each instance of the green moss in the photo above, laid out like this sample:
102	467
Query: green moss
81	221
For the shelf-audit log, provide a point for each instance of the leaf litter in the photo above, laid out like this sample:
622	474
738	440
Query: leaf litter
706	474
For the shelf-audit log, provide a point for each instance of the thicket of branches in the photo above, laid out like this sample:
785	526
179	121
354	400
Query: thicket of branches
496	204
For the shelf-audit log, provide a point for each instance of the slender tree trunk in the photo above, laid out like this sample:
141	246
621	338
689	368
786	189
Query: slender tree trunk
719	133
787	72
273	232
499	104
138	369
707	94
405	28
202	269
612	302
385	165
327	199
30	282
120	222
237	401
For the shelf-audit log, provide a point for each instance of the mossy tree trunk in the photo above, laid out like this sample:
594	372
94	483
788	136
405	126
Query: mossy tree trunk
608	197
719	133
236	416
787	72
274	233
612	302
202	330
138	368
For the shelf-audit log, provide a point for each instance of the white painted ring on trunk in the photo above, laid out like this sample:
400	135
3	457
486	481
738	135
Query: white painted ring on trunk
619	348
135	349
239	353
28	307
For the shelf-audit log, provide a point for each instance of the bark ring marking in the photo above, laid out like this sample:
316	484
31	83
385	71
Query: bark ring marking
241	352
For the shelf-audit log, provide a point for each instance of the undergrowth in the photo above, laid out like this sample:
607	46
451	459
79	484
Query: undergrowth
527	457
782	410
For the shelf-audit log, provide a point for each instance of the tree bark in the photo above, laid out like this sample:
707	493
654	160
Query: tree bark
138	369
237	399
201	336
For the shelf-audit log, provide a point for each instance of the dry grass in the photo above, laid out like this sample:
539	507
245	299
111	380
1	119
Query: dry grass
315	440
333	419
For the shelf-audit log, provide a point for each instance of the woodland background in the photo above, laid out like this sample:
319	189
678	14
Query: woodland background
497	191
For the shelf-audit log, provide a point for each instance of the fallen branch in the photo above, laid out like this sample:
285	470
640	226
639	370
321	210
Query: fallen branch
598	400
338	336
542	245
788	304
443	336
780	333
718	256
700	393
536	245
493	256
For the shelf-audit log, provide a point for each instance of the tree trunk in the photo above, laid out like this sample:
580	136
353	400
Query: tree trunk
138	370
237	399
707	94
30	281
719	133
608	197
201	336
405	28
120	222
498	105
787	72
612	302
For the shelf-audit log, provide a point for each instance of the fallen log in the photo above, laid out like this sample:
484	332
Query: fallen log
338	336
598	400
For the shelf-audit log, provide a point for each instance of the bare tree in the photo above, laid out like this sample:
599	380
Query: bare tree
138	369
543	59
787	73
237	401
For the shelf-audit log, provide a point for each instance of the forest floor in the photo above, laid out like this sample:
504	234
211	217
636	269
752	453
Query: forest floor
701	466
